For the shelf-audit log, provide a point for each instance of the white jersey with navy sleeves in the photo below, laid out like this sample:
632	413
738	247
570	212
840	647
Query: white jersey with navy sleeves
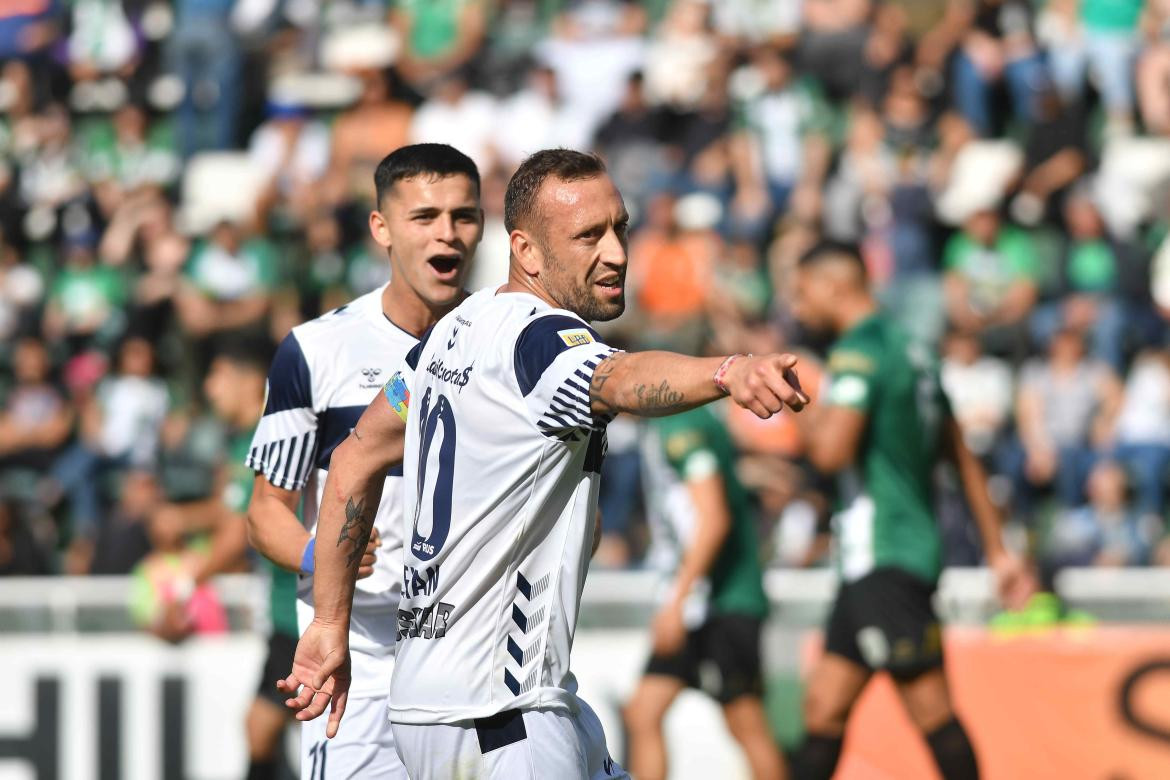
324	375
501	469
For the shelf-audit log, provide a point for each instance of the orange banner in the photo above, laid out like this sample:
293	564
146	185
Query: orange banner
1090	703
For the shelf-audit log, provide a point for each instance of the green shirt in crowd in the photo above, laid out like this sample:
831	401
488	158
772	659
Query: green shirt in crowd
888	518
1115	16
88	294
696	444
282	595
1092	267
991	270
223	276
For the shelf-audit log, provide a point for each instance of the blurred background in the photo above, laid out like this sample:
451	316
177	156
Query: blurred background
177	177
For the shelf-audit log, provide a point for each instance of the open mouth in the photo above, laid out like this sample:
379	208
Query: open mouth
445	265
612	286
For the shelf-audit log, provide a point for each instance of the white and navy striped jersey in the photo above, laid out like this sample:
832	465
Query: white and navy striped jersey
323	377
501	465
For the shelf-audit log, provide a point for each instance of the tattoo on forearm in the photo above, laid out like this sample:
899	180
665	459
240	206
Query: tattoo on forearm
601	375
660	396
356	530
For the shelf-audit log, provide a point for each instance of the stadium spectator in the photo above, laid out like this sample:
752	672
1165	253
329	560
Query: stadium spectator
535	117
121	424
980	389
1153	70
458	115
833	42
438	38
593	49
780	150
127	156
1055	155
1142	433
292	147
35	420
206	56
977	150
1100	37
123	539
1088	283
20	553
227	282
1105	532
378	121
990	281
998	46
1065	412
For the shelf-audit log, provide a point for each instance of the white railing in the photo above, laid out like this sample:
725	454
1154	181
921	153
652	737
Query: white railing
965	595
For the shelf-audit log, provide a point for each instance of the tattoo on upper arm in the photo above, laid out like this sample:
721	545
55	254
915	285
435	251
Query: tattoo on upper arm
605	369
356	530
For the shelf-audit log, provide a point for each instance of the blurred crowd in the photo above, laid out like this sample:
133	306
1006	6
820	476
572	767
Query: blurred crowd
181	176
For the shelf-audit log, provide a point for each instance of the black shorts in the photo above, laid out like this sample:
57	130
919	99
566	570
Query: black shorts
277	665
886	620
720	658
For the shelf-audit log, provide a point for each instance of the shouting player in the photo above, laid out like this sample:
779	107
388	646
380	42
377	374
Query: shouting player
324	374
884	417
508	398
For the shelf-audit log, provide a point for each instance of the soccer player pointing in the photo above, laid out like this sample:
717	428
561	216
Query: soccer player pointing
508	398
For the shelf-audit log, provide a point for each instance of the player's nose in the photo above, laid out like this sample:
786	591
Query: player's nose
445	228
613	250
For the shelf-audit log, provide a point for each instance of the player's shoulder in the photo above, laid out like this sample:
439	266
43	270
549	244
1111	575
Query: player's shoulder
542	336
861	349
319	331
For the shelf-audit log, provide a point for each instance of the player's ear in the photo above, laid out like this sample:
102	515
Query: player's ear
527	252
379	230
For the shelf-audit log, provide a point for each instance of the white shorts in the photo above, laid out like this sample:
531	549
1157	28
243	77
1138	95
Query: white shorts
513	745
363	747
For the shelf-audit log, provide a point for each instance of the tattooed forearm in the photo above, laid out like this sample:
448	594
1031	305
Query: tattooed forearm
657	397
602	374
356	530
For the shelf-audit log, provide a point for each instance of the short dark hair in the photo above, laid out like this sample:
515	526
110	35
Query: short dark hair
249	353
563	164
407	162
834	250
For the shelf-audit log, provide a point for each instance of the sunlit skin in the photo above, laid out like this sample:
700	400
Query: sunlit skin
575	255
825	298
430	227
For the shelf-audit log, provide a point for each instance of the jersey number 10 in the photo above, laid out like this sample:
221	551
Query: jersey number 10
427	547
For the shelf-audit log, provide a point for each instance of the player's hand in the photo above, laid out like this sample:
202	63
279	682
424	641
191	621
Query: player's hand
366	567
765	384
1014	581
320	675
668	631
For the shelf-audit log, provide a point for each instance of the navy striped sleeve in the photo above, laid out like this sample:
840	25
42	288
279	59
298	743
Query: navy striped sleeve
555	359
540	343
285	443
289	383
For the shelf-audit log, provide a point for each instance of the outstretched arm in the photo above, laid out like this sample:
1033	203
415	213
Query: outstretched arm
654	384
357	472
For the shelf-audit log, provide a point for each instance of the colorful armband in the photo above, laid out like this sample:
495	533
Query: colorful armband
398	394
